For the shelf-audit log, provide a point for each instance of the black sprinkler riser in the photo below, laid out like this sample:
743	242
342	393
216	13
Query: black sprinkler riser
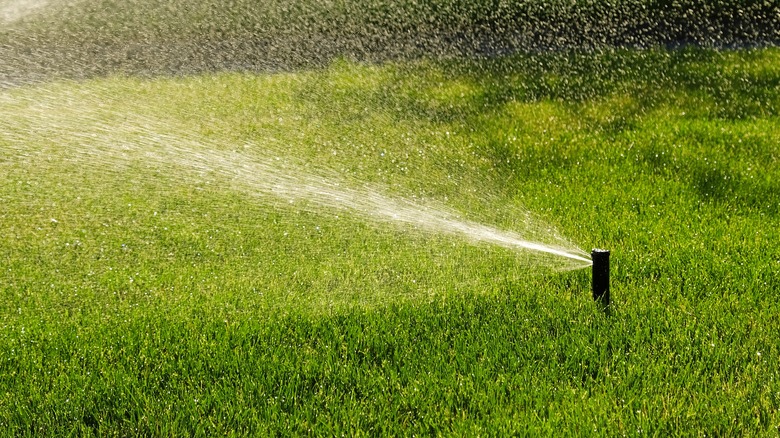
600	259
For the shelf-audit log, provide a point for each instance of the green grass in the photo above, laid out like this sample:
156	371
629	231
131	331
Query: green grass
159	303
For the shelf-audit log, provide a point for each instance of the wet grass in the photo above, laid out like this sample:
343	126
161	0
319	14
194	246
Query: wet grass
138	301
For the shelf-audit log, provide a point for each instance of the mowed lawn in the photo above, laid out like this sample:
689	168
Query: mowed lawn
142	295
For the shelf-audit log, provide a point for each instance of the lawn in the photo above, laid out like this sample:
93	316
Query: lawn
150	288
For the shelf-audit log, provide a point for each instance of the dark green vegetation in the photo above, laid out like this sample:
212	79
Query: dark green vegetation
85	38
158	306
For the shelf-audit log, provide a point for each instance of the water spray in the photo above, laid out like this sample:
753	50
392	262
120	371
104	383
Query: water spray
600	259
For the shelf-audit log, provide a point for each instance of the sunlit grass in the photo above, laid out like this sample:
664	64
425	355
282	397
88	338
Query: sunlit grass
142	298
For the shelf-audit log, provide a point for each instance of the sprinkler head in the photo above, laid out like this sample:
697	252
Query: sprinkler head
600	276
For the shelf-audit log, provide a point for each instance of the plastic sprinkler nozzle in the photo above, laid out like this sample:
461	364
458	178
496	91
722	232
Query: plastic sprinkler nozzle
601	276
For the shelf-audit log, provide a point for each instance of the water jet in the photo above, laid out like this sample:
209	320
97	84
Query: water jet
600	265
